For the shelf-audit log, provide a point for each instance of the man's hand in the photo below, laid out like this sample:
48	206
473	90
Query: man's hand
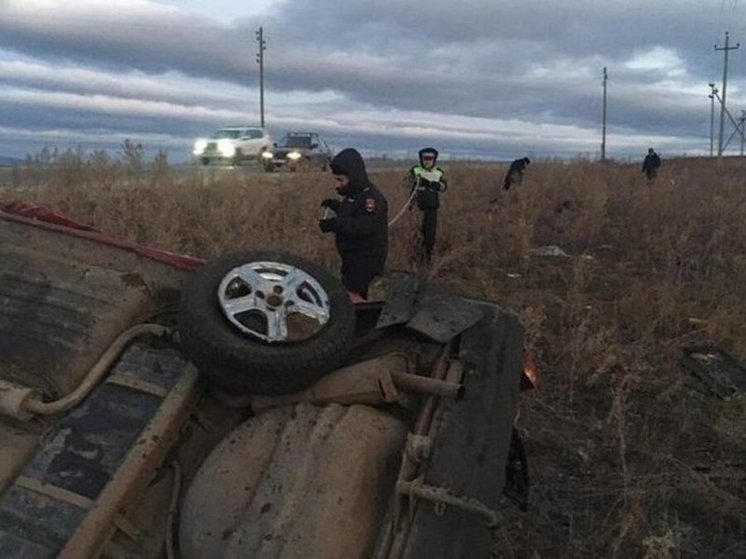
327	225
331	203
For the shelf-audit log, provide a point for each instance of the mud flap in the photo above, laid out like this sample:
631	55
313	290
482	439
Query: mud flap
429	309
472	446
401	291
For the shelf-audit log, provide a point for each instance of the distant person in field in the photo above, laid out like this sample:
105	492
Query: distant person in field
426	181
651	164
515	172
360	226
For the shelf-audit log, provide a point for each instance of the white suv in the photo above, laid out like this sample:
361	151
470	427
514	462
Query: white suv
232	144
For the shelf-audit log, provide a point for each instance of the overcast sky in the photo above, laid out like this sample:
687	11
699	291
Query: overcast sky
483	78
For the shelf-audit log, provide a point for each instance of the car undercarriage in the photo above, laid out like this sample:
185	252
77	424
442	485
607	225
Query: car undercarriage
119	437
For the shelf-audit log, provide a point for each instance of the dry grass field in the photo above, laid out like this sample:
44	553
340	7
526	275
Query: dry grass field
628	456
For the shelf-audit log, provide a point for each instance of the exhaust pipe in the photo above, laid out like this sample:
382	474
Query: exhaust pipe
374	383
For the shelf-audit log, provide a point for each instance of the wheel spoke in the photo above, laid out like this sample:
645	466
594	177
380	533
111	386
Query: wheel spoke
240	304
316	312
277	325
251	277
293	280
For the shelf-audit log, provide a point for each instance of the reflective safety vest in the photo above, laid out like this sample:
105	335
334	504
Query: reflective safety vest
428	175
427	186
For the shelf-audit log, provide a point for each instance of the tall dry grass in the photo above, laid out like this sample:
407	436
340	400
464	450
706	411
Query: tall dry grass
628	457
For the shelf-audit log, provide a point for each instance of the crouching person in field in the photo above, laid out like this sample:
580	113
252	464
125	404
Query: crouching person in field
360	225
515	172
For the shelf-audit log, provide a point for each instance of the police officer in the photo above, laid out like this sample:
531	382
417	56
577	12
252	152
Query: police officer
360	226
426	182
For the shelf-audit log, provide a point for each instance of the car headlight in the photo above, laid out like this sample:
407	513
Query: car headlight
267	155
294	155
226	148
199	147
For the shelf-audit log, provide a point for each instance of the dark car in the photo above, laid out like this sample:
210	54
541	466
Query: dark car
298	151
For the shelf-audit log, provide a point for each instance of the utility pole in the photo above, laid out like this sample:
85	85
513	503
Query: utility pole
260	60
725	49
743	123
603	129
736	125
713	93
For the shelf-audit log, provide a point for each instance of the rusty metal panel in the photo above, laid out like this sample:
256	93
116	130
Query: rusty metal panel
295	482
56	318
85	448
472	445
63	299
33	525
78	457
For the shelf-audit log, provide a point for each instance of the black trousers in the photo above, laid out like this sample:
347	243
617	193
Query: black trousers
429	227
358	273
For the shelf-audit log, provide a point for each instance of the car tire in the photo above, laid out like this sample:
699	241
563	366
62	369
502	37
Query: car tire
269	167
238	363
238	157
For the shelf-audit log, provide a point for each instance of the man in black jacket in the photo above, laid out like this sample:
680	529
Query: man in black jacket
651	164
515	172
360	226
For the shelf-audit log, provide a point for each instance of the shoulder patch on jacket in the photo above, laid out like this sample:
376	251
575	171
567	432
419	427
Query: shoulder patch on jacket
370	205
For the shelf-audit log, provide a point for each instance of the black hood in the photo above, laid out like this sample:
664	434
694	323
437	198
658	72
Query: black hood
429	150
350	163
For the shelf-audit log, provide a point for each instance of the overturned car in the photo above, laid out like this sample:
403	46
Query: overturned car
152	405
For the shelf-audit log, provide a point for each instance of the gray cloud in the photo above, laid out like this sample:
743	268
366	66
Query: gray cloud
527	65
